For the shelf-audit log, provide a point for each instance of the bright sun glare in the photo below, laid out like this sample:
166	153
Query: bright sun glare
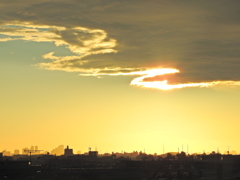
163	85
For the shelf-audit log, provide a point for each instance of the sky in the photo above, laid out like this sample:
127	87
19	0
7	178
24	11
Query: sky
118	75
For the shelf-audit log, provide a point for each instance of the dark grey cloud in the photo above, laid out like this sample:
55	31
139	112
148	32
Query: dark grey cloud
200	38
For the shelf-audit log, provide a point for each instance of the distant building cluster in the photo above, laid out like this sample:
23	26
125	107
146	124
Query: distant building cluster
60	150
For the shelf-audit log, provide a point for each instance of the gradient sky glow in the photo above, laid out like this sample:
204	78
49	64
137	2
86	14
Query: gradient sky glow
120	75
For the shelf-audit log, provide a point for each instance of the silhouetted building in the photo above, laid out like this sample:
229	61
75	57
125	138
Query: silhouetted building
93	153
16	151
6	153
24	150
58	150
68	152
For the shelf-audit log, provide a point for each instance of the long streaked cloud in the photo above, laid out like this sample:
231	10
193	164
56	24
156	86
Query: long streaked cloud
162	85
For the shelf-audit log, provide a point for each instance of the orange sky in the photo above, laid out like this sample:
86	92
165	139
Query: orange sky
82	75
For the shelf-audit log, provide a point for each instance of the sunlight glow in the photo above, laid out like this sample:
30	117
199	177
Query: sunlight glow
162	85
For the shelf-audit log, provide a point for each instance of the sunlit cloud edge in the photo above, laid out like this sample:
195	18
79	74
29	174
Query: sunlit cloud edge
163	85
97	43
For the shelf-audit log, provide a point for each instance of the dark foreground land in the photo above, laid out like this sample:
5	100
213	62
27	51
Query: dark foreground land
56	168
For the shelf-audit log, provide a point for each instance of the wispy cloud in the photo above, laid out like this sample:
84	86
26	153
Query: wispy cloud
7	39
79	40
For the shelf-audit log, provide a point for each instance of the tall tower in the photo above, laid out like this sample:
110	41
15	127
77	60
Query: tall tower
68	152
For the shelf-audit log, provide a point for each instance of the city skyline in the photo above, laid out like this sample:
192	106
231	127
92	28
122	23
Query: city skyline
59	150
120	75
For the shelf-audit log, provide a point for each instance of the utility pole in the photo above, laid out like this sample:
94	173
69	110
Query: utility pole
30	152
